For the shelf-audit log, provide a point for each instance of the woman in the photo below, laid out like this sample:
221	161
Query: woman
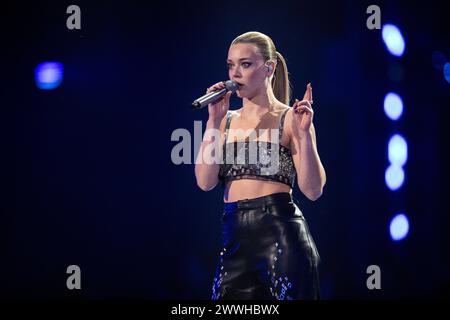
268	252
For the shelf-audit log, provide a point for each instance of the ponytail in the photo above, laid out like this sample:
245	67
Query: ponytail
280	82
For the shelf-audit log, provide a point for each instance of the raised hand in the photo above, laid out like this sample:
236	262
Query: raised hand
303	113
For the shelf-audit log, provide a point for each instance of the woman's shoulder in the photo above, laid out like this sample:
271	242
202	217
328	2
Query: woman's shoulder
281	108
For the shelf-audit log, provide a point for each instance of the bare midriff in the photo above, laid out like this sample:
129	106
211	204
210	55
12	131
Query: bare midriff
248	188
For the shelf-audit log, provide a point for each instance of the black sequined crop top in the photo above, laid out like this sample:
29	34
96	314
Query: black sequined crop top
260	160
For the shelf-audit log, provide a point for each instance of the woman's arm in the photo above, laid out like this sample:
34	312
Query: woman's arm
311	175
207	165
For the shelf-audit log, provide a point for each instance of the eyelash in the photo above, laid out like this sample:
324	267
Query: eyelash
229	65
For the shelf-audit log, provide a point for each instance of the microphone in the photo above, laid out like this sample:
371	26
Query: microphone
213	96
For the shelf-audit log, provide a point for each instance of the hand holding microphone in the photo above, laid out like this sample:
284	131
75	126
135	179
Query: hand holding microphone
217	98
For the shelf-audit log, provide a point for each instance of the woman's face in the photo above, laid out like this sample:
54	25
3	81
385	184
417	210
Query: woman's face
246	67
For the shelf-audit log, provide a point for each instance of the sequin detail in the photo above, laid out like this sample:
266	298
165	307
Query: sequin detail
273	161
216	292
280	286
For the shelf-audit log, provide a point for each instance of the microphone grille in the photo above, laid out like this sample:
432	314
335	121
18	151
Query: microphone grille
231	86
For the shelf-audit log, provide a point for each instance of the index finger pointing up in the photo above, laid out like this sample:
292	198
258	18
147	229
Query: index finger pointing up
308	93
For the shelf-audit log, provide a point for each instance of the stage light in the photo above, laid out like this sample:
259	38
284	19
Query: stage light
399	227
397	150
394	177
48	75
447	71
393	40
393	106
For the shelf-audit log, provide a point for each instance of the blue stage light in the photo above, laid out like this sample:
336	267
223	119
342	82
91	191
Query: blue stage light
394	177
447	71
48	75
393	40
397	150
399	227
393	106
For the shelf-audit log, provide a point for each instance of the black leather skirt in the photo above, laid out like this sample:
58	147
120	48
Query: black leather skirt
268	252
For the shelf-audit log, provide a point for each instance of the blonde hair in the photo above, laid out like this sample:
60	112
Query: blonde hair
280	81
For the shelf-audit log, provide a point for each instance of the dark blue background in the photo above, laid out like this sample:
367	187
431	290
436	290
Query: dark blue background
88	171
